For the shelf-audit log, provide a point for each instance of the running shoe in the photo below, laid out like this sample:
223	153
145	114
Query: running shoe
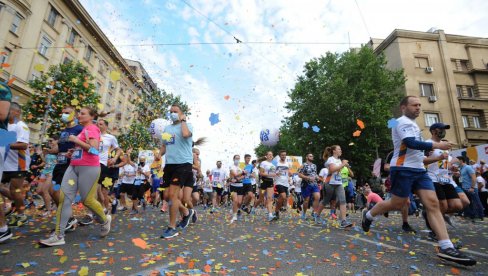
17	220
194	218
186	219
71	225
105	228
432	236
271	218
5	235
456	256
407	228
86	220
169	233
233	219
345	224
133	212
365	223
122	208
53	240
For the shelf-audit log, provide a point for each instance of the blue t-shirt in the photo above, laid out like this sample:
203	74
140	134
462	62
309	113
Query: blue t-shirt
248	171
64	144
466	180
178	149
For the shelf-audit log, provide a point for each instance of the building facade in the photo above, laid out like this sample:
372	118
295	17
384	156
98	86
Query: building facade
450	75
40	33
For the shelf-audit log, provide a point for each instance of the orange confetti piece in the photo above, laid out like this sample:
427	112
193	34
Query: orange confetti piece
226	97
85	84
207	268
11	81
5	65
335	255
110	244
360	124
191	265
139	243
354	258
455	271
180	260
59	252
356	133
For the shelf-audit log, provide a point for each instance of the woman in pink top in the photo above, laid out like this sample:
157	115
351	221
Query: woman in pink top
82	175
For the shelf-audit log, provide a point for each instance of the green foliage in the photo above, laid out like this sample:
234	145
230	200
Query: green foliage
67	84
151	106
334	91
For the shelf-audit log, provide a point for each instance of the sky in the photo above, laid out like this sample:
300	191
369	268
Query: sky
247	84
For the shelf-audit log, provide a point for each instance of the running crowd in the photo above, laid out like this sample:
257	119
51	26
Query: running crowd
84	163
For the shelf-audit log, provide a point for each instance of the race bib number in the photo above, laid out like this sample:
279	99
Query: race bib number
77	154
62	159
444	179
337	177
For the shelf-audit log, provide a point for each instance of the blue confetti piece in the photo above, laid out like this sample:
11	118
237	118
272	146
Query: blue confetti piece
7	137
209	262
265	252
414	268
214	119
57	187
78	199
392	123
315	128
306	125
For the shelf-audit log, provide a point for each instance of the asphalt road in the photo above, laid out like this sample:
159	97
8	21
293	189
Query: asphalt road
252	246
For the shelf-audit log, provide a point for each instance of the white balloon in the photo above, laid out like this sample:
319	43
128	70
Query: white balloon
157	128
269	137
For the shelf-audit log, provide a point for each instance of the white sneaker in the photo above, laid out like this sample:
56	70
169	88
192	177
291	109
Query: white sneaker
234	218
106	226
53	240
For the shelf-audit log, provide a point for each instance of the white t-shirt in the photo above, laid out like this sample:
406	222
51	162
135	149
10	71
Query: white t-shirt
218	177
145	169
108	142
282	174
480	179
402	156
439	171
207	185
268	167
126	171
237	172
18	160
297	182
255	173
323	173
335	178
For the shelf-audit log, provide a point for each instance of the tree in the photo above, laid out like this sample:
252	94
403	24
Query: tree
151	106
334	91
63	84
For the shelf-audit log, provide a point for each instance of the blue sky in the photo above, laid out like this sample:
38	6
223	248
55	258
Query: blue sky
257	77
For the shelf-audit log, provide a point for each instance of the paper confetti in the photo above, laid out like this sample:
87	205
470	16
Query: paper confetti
214	119
166	136
39	67
226	97
139	243
356	133
360	123
315	128
114	75
306	125
75	102
392	123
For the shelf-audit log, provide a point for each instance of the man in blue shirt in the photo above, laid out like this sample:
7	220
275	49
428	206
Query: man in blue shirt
178	168
469	185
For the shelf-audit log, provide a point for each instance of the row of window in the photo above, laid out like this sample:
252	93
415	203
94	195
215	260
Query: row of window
427	90
422	62
432	118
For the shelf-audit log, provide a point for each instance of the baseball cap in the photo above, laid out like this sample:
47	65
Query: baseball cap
439	126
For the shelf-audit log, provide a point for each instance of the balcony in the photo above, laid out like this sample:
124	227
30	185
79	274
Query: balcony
473	103
476	134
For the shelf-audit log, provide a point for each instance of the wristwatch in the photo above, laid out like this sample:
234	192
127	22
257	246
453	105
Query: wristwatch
184	120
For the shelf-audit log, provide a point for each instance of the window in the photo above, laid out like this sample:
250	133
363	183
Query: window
102	67
35	74
470	91
72	37
16	23
426	89
4	57
97	87
88	53
421	62
44	46
431	118
53	15
465	121
464	65
67	60
476	122
459	90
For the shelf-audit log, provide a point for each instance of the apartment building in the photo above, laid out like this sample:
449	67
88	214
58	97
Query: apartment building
40	33
450	75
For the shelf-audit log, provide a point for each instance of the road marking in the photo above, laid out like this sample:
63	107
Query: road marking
374	242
